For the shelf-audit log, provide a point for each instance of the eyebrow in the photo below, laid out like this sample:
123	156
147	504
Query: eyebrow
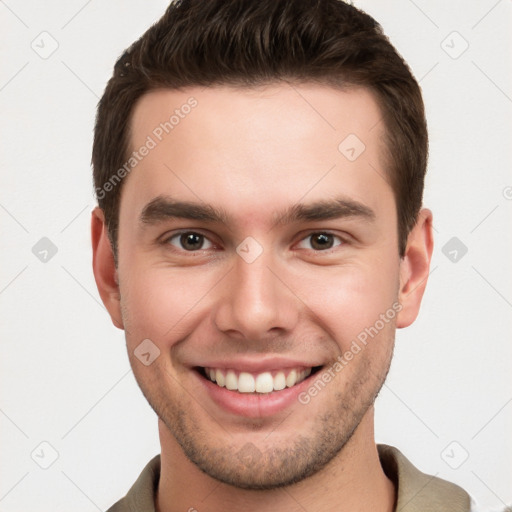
164	208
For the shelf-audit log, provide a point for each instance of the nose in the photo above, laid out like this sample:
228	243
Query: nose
256	301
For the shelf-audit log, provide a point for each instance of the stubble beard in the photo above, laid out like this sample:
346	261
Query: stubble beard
255	466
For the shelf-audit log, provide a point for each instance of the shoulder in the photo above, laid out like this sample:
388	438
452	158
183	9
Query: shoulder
141	496
417	491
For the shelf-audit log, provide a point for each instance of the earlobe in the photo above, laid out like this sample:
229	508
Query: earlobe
414	268
105	272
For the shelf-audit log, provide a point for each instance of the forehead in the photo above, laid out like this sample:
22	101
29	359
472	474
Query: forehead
283	109
257	146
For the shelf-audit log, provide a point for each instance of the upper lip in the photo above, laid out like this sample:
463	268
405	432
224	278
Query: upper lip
260	365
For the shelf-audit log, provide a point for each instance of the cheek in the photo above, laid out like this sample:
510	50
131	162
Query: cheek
353	299
161	304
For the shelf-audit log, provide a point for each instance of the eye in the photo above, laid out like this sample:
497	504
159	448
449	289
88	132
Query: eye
190	241
320	241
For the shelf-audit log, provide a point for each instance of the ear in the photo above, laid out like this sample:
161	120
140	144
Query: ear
105	272
414	268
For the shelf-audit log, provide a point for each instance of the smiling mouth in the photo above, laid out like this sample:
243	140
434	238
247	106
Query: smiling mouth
257	383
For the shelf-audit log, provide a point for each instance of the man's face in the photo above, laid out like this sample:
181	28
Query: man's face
249	242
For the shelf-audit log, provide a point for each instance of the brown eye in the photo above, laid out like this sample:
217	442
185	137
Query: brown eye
320	241
190	241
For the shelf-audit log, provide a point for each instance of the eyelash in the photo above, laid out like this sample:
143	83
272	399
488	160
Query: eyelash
342	241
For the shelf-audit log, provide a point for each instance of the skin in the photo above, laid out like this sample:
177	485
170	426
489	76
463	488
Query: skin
255	153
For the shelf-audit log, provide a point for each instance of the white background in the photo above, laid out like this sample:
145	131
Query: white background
65	376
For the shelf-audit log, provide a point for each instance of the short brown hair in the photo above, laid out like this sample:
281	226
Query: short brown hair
246	43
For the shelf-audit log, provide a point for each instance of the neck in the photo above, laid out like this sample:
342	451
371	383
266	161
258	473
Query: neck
353	480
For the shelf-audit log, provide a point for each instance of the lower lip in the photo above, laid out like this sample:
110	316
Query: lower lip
252	405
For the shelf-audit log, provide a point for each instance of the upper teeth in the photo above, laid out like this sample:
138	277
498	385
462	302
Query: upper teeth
265	382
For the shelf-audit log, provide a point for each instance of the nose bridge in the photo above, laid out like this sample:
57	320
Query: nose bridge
254	301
